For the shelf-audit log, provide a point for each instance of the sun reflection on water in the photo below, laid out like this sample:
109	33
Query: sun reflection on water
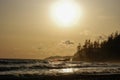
68	70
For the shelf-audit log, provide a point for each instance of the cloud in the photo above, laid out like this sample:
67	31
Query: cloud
66	43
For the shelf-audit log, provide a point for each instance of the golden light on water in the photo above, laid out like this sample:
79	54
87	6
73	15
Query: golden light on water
66	13
68	70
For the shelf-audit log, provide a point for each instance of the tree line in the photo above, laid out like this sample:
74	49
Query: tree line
106	50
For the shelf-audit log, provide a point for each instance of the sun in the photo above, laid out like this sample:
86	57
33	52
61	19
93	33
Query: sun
66	13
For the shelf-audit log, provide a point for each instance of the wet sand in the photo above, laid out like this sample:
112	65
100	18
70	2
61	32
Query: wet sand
60	77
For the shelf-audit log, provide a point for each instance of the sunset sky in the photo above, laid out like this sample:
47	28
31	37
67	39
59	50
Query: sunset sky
32	28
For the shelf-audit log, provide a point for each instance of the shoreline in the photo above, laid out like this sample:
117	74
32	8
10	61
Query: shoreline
61	77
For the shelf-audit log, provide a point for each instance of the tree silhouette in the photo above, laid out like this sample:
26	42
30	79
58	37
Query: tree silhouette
107	50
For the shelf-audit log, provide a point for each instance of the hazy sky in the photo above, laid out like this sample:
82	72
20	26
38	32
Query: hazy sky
27	30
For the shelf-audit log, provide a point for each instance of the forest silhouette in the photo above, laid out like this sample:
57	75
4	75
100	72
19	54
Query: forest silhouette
105	50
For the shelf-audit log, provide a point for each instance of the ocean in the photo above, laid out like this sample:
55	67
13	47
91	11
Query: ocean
33	69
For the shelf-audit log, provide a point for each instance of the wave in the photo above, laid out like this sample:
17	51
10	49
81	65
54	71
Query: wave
34	68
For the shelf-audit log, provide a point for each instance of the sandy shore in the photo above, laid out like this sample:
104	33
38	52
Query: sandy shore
60	77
